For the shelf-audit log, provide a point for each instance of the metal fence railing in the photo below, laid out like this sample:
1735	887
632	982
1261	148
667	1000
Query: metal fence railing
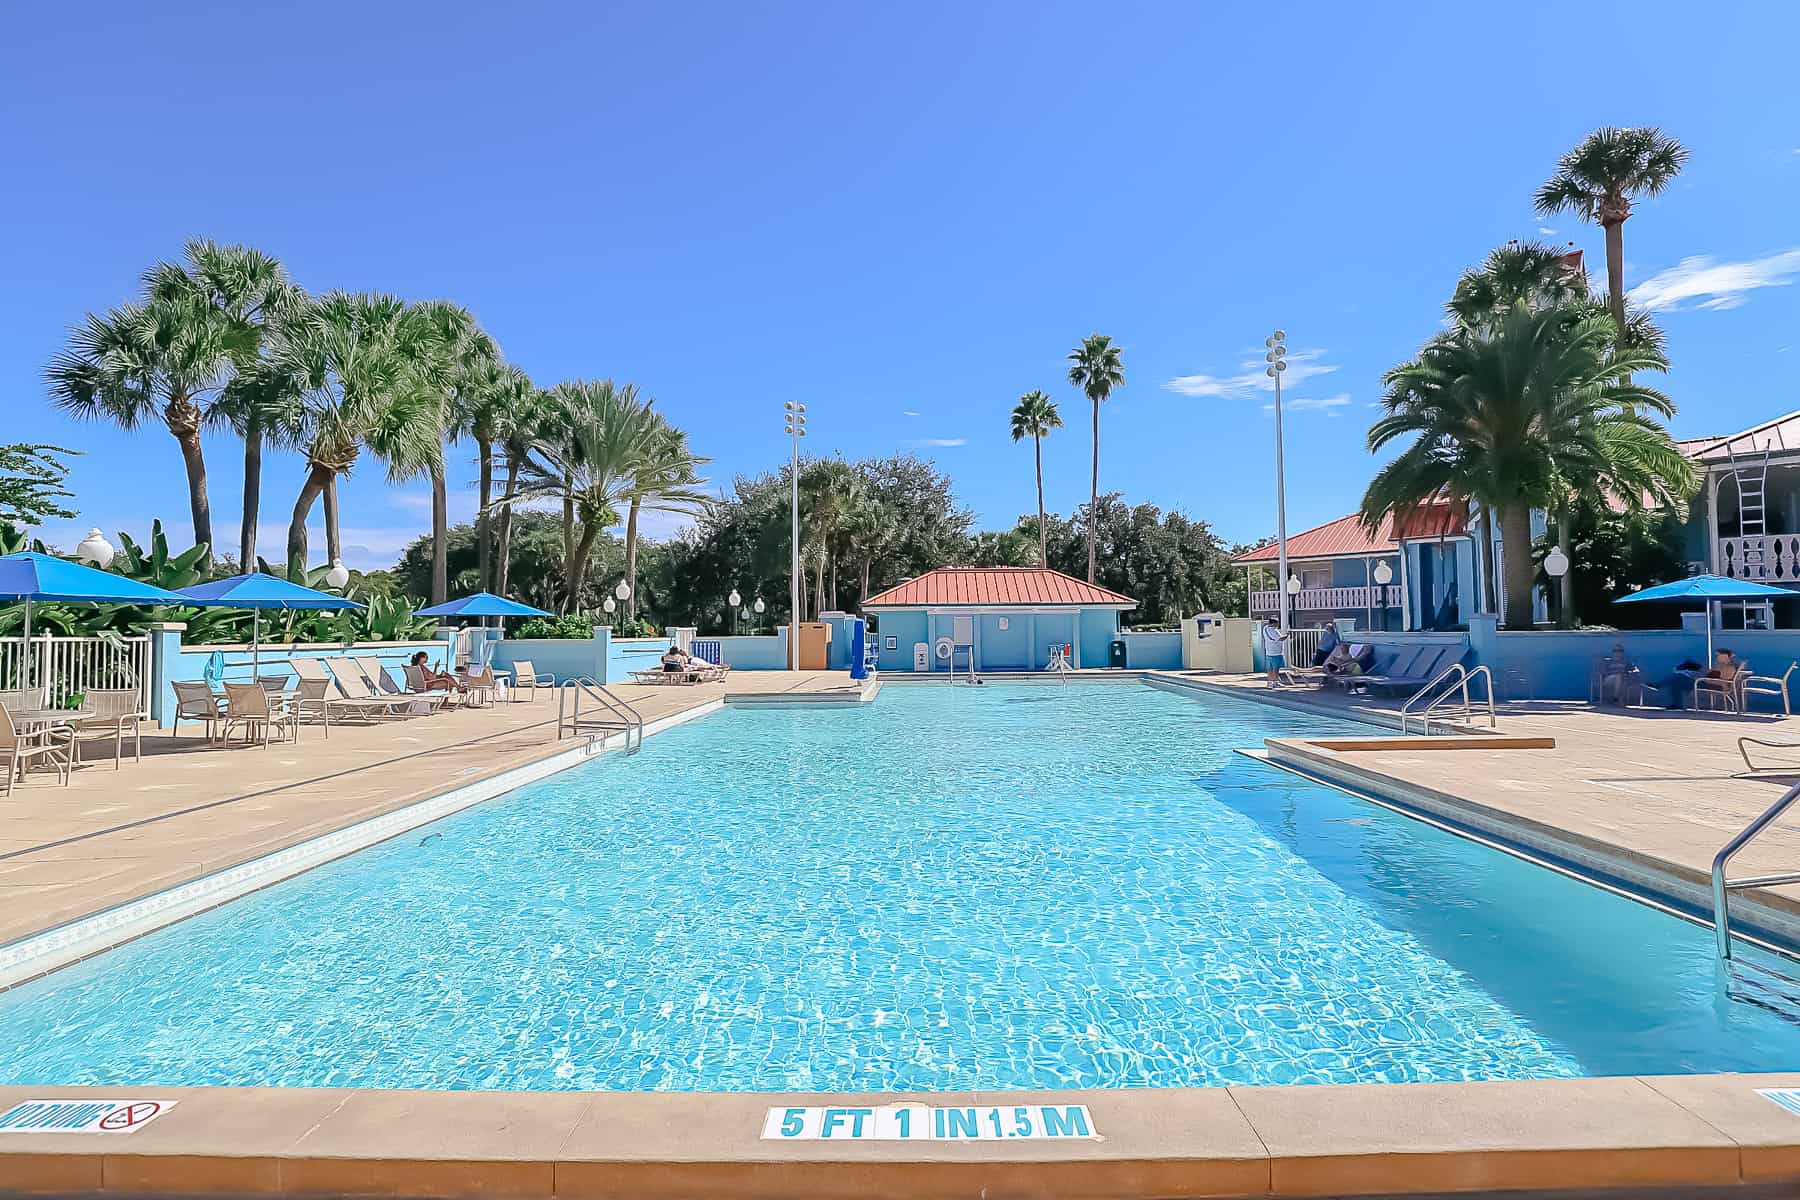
78	664
1302	644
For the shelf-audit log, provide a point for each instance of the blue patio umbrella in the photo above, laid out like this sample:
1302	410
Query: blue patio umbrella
30	576
257	591
482	604
1708	588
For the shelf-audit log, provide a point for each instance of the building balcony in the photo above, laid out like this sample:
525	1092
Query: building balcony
1771	558
1330	599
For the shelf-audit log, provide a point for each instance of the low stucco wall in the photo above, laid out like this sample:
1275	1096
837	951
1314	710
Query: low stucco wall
171	662
1152	651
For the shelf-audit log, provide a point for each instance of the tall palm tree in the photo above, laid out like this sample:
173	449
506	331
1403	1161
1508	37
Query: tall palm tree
251	293
1096	367
466	360
1034	417
527	421
361	365
493	403
1599	179
167	358
665	478
1516	412
602	431
830	491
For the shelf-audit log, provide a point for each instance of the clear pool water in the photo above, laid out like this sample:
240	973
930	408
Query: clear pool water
1015	886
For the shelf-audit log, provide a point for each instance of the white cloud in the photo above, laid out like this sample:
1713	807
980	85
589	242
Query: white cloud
1701	282
938	441
1302	365
907	412
1546	231
1325	404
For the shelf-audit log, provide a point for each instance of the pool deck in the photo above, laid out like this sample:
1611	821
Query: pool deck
191	808
1641	795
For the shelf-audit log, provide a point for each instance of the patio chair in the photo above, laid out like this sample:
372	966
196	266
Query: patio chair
20	750
382	685
1727	690
250	708
420	689
1405	657
479	684
117	712
195	701
19	699
1769	685
525	675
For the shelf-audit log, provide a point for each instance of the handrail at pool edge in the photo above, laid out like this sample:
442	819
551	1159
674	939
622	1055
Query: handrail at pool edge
1723	887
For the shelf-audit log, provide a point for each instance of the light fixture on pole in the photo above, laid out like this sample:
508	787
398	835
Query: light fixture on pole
1556	563
796	429
1277	360
623	591
759	606
95	550
1293	585
338	576
733	601
610	605
1384	575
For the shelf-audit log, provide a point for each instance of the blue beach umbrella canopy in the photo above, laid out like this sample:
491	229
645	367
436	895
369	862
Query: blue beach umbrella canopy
482	604
257	591
1705	589
30	576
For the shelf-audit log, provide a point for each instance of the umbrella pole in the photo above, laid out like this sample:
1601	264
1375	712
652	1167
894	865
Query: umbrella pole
256	646
26	666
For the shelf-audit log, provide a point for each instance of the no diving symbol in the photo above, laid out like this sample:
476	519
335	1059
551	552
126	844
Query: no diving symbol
130	1116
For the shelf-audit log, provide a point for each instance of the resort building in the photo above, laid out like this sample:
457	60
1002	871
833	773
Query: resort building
997	619
1745	522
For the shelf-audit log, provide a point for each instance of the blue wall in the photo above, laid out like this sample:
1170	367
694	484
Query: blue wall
758	652
1152	651
564	658
904	626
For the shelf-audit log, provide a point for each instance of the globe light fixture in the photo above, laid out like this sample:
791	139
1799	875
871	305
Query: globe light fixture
623	591
1293	585
734	599
95	550
1384	574
1556	563
338	576
611	604
759	606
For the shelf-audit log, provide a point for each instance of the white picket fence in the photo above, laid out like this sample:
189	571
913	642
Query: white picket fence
1302	644
77	664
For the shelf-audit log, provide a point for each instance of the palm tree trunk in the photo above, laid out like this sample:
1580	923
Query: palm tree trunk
631	518
334	539
834	602
316	479
1515	539
1094	492
484	522
503	542
184	423
1037	451
440	536
252	492
568	535
1615	272
584	548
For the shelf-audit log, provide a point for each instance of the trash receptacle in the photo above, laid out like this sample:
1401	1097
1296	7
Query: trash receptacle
1118	654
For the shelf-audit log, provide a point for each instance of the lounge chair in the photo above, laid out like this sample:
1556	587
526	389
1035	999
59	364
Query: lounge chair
196	701
250	708
20	750
525	675
1769	685
1432	662
315	685
356	686
382	685
418	687
1404	658
657	677
117	712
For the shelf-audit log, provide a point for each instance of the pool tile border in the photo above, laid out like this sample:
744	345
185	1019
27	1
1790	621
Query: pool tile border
1709	1132
40	953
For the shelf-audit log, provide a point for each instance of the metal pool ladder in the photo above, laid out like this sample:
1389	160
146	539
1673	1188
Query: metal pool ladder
1459	678
614	714
1723	887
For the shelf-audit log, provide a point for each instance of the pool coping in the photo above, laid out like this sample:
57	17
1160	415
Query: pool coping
48	950
1711	1132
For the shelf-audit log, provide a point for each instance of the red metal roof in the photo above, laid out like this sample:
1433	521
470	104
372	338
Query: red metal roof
1436	519
1342	538
995	586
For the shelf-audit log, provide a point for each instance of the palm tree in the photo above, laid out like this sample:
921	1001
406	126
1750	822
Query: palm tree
1515	413
1598	180
167	358
251	293
489	406
466	360
361	365
1034	417
830	491
665	478
1096	368
526	422
600	434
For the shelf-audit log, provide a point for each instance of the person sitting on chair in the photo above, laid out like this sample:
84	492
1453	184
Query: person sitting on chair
436	681
675	660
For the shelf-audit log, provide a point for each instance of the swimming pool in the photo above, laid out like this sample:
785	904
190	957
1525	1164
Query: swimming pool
1013	886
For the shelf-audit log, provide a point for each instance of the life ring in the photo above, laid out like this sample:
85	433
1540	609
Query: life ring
944	645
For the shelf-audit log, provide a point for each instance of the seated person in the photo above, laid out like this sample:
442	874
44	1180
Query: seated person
675	660
1341	662
435	681
1725	668
1328	642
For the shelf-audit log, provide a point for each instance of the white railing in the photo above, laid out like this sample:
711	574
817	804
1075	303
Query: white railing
1772	558
1328	599
1302	644
77	664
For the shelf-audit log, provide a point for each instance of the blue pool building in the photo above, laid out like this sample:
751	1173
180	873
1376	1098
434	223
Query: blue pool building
999	619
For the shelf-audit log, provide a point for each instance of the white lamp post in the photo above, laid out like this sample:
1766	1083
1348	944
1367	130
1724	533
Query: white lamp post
759	606
1556	565
733	601
611	605
1384	575
1277	360
95	550
338	576
796	429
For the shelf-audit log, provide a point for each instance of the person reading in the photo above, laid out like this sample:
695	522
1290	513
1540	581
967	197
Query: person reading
434	680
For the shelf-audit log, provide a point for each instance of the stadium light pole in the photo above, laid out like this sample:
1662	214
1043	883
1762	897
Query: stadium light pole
1277	360
796	429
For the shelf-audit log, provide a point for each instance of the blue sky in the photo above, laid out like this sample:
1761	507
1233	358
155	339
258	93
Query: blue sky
902	215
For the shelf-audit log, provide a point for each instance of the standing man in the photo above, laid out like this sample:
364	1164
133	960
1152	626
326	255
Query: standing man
1274	641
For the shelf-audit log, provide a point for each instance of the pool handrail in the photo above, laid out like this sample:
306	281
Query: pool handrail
1722	887
625	717
1458	684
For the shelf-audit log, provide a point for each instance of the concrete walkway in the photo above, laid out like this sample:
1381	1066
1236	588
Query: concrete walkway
192	807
